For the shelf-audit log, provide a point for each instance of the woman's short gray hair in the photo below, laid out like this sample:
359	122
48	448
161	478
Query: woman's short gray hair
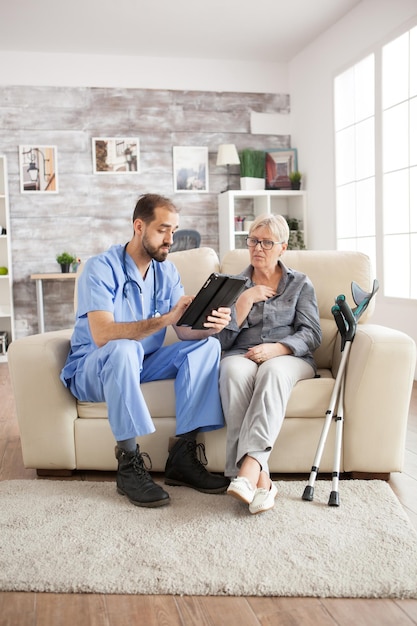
276	224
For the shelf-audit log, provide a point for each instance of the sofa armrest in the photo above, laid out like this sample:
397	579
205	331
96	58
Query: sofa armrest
378	385
45	409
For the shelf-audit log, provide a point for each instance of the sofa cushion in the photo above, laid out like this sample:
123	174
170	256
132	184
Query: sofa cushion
310	398
159	394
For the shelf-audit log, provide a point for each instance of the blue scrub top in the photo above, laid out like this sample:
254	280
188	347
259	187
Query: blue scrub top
100	288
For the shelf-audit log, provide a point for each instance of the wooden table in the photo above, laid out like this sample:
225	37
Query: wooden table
39	278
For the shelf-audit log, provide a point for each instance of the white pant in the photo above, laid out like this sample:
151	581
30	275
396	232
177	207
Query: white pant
254	399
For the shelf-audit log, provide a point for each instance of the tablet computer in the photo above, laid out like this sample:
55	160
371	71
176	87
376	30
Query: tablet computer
218	290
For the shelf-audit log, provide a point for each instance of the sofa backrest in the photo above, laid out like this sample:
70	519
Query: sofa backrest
331	272
195	266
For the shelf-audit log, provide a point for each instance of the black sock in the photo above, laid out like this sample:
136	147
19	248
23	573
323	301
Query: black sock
191	436
128	445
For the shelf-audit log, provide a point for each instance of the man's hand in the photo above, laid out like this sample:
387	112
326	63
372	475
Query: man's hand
177	311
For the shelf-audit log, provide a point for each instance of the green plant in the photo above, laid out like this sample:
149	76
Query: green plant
252	163
296	239
65	258
295	177
293	224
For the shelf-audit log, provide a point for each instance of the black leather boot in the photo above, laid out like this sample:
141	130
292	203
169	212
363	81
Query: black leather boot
183	468
134	481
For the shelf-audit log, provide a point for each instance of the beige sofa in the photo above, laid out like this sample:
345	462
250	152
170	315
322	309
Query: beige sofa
59	433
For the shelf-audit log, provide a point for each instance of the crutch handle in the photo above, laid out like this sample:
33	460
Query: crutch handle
349	317
340	320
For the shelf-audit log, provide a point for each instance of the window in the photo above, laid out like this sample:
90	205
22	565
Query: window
399	165
355	158
355	128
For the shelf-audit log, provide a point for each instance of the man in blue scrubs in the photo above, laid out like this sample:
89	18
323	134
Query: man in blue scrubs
127	296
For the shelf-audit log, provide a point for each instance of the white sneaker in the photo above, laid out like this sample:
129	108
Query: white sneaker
241	489
263	500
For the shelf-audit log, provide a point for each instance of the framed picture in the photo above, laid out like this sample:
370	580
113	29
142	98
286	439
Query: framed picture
278	166
190	169
115	155
38	169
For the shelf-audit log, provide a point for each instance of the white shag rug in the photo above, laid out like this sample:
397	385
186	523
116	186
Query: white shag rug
76	536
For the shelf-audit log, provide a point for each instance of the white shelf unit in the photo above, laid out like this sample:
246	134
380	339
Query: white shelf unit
232	204
6	282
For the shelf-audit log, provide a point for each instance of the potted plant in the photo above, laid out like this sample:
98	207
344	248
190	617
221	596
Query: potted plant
252	169
295	179
65	260
296	239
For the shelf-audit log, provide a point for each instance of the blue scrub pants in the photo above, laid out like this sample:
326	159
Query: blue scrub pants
113	372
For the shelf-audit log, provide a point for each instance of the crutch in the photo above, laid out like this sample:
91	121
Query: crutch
346	320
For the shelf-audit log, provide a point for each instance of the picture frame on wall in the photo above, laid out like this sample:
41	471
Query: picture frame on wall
38	169
115	155
190	164
279	164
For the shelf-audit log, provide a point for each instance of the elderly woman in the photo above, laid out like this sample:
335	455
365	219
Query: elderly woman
267	348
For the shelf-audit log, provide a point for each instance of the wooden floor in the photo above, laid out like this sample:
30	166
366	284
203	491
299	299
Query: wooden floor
43	609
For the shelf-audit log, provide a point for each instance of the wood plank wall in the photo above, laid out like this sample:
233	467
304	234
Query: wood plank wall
92	211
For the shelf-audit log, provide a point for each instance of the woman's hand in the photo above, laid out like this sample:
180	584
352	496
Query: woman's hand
246	300
258	293
264	351
218	319
215	323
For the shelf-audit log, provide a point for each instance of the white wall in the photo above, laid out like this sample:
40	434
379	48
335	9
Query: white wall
311	74
77	70
311	88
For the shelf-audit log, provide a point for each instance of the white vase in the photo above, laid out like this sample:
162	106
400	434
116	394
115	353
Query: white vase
249	183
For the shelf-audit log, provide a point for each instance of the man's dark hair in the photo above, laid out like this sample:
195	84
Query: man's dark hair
147	203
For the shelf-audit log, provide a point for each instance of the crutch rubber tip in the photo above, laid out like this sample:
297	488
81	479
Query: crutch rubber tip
334	498
308	493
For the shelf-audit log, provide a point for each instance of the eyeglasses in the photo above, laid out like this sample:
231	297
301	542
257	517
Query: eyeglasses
266	244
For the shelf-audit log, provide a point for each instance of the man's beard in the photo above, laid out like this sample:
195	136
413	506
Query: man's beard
157	254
